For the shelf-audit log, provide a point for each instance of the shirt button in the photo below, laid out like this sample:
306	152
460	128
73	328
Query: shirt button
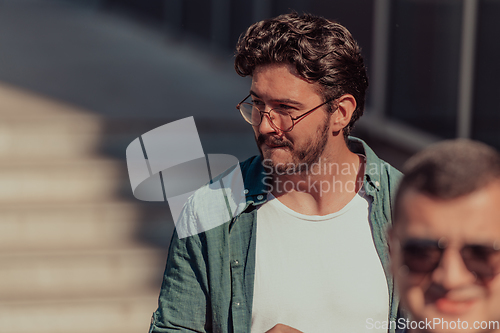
245	191
260	197
237	303
377	184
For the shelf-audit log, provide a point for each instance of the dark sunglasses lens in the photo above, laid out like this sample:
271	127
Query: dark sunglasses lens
484	261
421	257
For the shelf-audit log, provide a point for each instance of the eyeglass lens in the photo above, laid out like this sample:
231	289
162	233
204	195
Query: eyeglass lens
254	116
423	256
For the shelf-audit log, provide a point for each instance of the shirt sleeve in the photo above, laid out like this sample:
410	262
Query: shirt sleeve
183	304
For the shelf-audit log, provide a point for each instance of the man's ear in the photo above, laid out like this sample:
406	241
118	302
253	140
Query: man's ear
346	105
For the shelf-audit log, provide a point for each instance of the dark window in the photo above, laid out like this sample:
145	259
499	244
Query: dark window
424	64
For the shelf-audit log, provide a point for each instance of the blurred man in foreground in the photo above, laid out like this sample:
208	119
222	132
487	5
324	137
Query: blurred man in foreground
446	239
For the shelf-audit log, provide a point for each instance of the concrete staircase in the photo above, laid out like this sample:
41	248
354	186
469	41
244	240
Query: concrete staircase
75	251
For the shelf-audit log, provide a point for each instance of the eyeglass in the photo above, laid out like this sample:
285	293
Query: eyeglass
423	256
280	117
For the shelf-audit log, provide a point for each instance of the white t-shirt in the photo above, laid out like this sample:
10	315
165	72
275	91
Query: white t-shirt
317	273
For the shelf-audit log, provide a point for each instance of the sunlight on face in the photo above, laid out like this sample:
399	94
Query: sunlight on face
451	292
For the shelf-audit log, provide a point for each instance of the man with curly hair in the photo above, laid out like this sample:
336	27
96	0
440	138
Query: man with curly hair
308	253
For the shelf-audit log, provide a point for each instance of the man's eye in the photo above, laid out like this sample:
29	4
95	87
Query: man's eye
284	109
257	102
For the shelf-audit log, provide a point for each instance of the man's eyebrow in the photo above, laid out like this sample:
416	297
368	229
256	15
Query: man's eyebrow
253	93
281	101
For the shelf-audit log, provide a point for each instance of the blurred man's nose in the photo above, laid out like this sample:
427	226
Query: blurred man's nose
452	272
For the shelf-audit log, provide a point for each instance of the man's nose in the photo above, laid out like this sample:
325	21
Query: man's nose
452	272
266	125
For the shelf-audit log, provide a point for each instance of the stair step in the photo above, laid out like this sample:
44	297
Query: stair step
126	314
50	137
36	126
72	274
68	180
82	225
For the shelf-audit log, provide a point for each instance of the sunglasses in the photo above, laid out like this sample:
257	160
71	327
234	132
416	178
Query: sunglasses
423	256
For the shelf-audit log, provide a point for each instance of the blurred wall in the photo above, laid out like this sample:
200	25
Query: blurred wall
425	56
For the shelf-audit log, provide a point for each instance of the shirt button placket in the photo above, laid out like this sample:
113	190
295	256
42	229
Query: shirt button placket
237	292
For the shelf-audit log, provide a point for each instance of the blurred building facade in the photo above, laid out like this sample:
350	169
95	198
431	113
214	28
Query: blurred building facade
432	63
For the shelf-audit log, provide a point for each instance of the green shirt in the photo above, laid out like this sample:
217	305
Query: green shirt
209	277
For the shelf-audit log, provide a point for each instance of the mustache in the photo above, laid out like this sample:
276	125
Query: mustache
273	141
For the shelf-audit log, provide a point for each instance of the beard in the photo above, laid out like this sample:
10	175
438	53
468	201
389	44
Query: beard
302	158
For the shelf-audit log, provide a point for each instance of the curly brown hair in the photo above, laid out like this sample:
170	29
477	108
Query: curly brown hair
321	50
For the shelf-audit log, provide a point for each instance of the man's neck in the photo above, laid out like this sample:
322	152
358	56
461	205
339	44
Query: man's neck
325	187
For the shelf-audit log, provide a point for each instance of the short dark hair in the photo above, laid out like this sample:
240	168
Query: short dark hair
449	169
321	50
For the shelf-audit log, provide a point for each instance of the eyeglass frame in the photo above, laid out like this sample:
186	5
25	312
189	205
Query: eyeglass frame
441	245
268	113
